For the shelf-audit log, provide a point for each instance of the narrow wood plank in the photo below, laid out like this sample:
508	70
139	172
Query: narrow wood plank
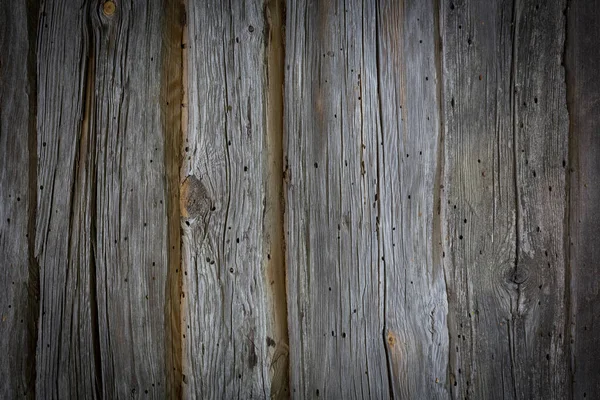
582	60
19	273
336	275
416	334
234	344
504	198
133	152
65	359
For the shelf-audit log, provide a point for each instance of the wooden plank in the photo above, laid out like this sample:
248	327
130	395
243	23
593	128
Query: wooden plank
19	273
65	359
504	198
335	272
134	153
235	342
103	229
582	60
408	175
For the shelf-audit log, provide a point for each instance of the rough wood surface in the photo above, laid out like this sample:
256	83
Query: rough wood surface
92	209
235	345
336	199
416	335
336	277
582	61
19	273
503	203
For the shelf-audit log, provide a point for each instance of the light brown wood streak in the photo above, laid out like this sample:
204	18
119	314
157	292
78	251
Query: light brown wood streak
274	198
172	107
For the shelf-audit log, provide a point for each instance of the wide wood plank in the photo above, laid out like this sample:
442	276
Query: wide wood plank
19	272
503	202
582	60
133	153
103	239
235	341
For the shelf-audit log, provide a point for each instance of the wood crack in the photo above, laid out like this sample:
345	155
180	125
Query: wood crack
84	152
33	278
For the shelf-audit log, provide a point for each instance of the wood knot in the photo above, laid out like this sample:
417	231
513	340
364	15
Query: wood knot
391	339
108	8
194	199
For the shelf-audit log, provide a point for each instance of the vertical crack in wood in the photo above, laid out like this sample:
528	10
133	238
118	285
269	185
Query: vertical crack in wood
513	111
84	180
572	162
174	120
33	277
437	241
275	202
85	149
389	368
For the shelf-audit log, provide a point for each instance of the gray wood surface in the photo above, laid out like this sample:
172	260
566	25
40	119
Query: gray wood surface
92	236
335	274
503	201
319	199
19	271
582	58
235	343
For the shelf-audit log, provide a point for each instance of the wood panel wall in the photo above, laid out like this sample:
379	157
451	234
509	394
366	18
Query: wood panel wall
339	199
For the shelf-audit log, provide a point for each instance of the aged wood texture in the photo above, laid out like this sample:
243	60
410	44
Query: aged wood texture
19	273
235	343
332	132
408	174
92	212
135	116
582	61
338	199
366	290
66	358
503	202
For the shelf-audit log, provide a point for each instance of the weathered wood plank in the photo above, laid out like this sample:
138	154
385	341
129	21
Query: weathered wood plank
336	277
19	273
582	60
415	304
103	236
235	344
134	155
504	198
65	359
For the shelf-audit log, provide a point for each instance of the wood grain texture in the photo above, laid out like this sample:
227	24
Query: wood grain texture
19	273
415	304
102	236
65	359
336	276
134	125
503	203
234	344
582	60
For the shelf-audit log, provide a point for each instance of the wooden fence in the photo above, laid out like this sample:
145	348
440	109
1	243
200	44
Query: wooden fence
222	199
